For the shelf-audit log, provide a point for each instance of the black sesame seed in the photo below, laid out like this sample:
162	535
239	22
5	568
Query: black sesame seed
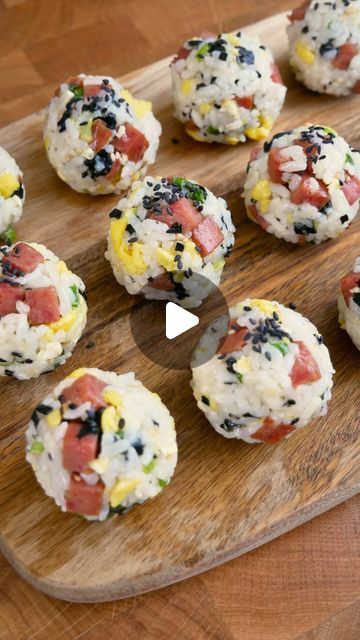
44	409
205	400
138	446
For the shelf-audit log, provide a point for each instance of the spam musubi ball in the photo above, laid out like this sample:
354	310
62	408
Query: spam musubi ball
97	136
12	193
271	375
163	233
42	310
226	88
325	45
349	303
101	443
304	185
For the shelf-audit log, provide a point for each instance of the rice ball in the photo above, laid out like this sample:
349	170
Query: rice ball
304	185
226	88
325	46
97	136
101	443
12	193
272	373
42	310
349	303
164	233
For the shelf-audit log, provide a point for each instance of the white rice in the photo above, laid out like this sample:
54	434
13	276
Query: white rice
156	251
349	314
241	390
315	42
72	156
218	70
335	162
27	351
142	455
12	191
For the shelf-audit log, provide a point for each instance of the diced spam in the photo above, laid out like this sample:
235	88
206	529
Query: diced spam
83	498
23	258
272	432
78	452
9	295
87	388
207	235
44	305
233	341
133	143
305	368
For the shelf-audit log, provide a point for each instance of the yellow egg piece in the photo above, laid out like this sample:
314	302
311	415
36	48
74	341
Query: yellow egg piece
140	107
231	140
242	364
265	306
261	190
65	323
132	259
196	135
109	420
8	184
62	268
100	466
234	40
85	131
166	259
304	52
117	230
204	108
112	397
54	418
187	86
77	373
122	489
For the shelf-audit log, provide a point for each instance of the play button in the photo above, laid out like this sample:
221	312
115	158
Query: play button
178	320
168	334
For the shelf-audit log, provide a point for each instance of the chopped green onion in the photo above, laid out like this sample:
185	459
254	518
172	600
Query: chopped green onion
329	130
147	468
281	346
196	193
213	131
162	482
349	159
10	235
204	49
75	302
77	91
37	447
240	377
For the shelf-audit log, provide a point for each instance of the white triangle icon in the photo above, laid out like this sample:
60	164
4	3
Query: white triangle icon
178	320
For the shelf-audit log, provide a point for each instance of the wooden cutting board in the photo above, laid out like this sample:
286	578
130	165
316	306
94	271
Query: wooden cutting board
226	497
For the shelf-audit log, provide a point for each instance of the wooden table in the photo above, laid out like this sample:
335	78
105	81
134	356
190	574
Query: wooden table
304	585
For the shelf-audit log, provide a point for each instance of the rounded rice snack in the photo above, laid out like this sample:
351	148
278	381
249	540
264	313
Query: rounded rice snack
42	310
272	373
304	185
12	193
98	137
325	46
164	233
349	303
100	443
226	88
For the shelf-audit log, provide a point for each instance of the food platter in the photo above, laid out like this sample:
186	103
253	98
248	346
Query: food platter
226	497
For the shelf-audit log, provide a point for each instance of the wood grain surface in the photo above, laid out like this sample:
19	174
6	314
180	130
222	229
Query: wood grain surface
223	611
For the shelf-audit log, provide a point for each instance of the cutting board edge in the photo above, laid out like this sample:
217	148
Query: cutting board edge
146	583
